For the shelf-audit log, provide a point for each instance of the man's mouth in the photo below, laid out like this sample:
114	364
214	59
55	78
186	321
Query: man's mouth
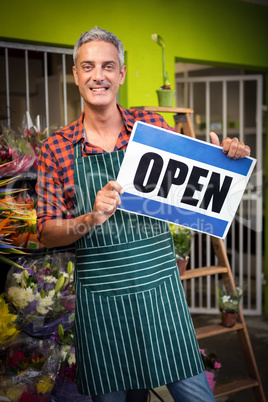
102	89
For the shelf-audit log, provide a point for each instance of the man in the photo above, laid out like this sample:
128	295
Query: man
133	330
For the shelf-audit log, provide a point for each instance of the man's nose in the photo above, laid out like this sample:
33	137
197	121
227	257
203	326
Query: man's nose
97	74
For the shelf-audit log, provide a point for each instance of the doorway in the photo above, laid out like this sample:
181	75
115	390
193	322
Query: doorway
230	103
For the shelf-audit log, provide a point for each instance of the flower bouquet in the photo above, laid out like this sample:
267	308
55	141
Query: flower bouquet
212	367
25	235
16	154
43	290
65	388
229	300
11	324
33	134
28	369
9	216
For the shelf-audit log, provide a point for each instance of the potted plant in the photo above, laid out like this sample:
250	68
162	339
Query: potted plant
182	239
228	301
165	94
212	367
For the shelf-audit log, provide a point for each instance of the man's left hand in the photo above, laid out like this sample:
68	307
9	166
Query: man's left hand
232	147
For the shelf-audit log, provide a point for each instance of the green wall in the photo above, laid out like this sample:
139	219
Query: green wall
207	31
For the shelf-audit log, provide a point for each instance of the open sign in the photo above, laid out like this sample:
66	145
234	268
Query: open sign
168	176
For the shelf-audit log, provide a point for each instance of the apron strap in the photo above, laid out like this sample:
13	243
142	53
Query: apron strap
78	150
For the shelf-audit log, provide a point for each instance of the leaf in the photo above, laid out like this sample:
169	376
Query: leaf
10	262
3	223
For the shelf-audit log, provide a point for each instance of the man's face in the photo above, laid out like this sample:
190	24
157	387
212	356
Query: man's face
98	74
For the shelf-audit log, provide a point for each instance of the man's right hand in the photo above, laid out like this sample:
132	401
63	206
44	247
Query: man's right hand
106	202
62	232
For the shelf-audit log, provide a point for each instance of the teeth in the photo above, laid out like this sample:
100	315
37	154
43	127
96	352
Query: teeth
98	89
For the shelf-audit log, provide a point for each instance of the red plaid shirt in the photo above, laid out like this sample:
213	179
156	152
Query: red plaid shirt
55	184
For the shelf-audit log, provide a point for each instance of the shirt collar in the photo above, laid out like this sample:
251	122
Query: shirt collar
74	132
127	118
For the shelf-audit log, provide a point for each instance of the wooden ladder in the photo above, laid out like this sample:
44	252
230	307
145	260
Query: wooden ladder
182	117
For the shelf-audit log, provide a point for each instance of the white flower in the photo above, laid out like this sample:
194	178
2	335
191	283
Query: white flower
42	310
71	359
17	276
226	299
65	350
51	293
44	304
20	297
49	279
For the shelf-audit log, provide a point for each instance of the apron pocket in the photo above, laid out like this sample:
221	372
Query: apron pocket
126	268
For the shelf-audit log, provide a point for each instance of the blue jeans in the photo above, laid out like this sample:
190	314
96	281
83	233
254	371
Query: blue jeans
191	389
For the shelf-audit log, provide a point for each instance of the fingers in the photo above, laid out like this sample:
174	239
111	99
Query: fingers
234	148
108	199
113	185
106	202
214	138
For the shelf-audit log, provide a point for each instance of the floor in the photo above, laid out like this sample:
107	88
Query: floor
228	351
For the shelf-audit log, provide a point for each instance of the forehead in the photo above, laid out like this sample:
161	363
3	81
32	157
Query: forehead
97	50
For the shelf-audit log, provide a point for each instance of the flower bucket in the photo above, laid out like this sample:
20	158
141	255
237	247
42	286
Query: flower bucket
182	265
210	377
228	319
165	97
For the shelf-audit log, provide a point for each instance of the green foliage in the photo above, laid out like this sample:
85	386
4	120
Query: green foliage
160	41
228	300
182	238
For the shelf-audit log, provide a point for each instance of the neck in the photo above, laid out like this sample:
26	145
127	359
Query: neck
99	117
102	126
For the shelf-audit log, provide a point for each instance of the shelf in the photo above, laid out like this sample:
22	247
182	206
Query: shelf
216	329
235	386
162	109
204	271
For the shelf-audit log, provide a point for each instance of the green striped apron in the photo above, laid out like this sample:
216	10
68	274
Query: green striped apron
132	324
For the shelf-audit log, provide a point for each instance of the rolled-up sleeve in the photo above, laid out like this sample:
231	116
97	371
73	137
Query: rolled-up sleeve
53	188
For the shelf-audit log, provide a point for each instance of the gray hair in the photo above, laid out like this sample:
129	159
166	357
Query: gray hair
103	35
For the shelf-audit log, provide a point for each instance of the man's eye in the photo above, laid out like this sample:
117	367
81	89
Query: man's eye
109	67
87	67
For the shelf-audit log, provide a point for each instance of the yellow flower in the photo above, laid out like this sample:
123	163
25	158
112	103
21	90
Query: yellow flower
38	360
15	391
44	385
8	329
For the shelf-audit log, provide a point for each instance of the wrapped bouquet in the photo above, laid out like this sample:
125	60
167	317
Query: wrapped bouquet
28	369
11	323
16	154
44	292
25	235
65	388
10	216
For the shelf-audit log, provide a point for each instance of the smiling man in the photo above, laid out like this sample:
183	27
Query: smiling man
133	330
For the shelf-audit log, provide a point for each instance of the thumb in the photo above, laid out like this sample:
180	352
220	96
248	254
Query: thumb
214	138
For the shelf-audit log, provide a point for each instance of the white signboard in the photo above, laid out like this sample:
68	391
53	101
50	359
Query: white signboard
175	178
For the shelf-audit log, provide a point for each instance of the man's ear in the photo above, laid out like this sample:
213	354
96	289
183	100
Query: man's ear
123	75
75	75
